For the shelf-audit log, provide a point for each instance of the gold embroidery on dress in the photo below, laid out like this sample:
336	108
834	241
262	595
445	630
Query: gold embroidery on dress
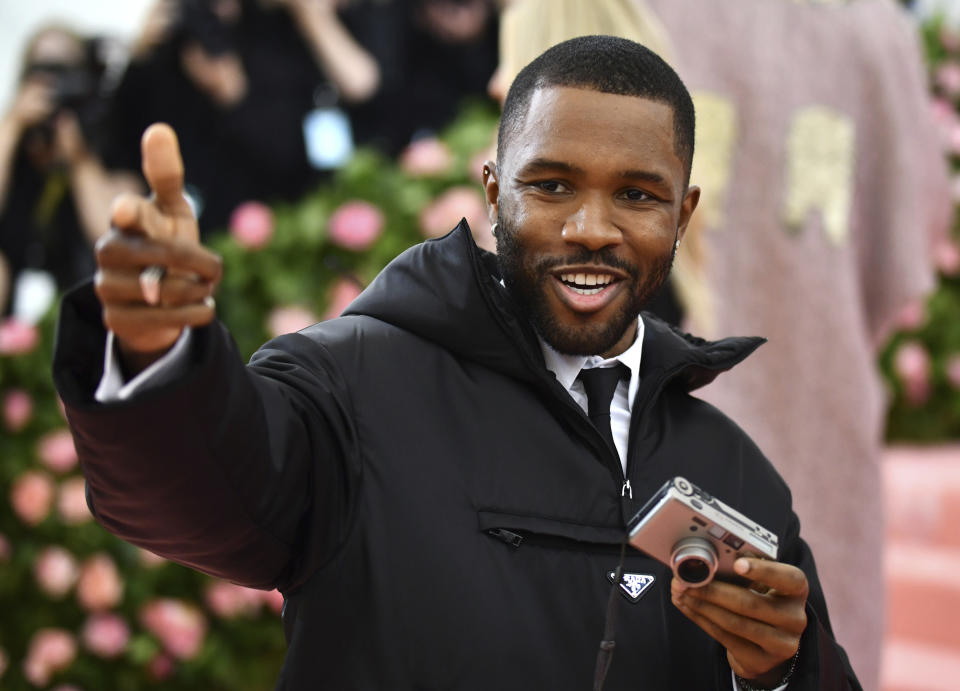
715	137
820	152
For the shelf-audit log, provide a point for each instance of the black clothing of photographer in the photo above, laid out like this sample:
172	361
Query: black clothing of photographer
434	56
39	228
236	78
54	190
419	477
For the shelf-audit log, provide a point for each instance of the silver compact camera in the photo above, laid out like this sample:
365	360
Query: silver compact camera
696	534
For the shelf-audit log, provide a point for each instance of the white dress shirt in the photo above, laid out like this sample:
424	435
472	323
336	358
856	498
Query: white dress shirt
566	368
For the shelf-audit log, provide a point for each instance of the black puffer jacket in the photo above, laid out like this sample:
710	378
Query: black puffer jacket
369	466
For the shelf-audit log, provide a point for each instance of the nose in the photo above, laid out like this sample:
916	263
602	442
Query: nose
592	226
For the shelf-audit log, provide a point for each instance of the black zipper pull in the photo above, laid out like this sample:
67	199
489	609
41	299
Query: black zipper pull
511	538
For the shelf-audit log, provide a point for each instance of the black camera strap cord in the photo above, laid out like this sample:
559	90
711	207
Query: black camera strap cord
605	654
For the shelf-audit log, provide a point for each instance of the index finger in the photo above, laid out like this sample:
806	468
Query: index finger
163	168
785	579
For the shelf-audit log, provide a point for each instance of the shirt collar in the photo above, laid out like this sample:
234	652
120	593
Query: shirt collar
566	368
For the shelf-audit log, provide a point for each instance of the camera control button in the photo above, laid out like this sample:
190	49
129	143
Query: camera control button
697	505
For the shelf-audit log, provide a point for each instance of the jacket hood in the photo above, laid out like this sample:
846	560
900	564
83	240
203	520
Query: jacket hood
450	281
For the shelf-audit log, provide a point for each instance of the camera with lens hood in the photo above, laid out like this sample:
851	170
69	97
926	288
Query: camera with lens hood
696	534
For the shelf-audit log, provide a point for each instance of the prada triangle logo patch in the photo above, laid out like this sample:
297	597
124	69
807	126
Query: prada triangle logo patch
633	585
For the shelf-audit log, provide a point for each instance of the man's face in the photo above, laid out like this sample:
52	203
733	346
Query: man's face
590	197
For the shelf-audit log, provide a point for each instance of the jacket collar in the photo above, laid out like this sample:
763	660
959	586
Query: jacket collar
448	291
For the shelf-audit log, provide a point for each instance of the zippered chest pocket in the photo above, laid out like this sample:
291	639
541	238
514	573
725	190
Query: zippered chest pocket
571	551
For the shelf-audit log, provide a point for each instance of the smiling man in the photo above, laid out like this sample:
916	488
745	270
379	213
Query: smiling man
604	169
433	480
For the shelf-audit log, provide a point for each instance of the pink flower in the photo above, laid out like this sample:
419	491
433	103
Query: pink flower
228	600
477	162
426	157
912	315
150	560
953	138
251	225
949	39
343	292
445	212
66	687
289	319
72	501
56	571
100	585
31	496
17	338
4	661
911	362
441	215
943	113
56	451
946	256
948	78
356	225
160	667
105	635
17	409
273	599
6	551
50	651
180	627
953	370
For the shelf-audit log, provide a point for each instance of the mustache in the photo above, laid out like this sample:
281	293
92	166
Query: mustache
602	258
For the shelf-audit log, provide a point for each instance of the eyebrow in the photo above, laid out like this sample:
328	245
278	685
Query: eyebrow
647	175
543	164
540	164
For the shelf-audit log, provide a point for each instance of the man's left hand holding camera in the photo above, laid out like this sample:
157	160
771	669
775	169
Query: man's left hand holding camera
760	630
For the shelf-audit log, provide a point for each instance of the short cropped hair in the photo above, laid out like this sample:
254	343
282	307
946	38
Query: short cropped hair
609	65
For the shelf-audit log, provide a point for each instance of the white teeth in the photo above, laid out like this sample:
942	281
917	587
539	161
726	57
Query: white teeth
584	280
586	291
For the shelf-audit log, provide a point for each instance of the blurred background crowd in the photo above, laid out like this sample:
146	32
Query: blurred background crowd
323	137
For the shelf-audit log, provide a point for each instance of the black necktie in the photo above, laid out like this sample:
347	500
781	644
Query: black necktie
600	384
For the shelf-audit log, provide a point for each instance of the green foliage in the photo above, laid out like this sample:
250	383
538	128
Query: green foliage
937	418
932	412
300	264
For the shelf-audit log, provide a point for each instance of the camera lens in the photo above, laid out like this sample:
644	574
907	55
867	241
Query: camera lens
694	561
693	570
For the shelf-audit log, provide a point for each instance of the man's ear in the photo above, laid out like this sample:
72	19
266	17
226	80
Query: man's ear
690	200
491	190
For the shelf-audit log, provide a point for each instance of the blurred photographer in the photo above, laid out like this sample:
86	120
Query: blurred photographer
55	192
433	55
240	80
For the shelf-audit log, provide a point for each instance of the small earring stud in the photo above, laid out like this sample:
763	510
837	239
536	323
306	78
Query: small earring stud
493	229
677	246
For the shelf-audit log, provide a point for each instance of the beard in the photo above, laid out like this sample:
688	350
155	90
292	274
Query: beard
526	279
